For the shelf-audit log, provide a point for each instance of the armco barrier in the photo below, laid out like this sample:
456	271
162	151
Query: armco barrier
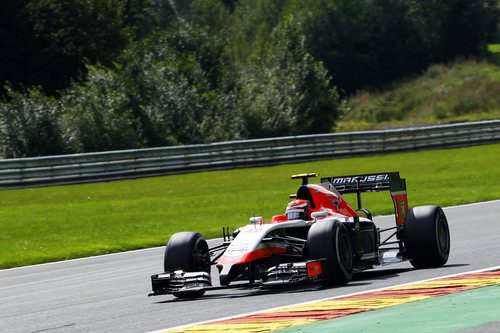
90	167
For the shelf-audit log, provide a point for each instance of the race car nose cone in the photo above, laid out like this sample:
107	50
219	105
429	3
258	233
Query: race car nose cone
228	273
225	275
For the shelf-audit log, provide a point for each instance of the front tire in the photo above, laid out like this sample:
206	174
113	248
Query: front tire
330	239
187	251
427	237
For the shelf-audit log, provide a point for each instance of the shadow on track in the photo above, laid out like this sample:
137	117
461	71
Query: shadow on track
455	265
260	291
381	274
359	279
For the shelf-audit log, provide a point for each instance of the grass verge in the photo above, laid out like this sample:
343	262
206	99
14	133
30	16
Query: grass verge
465	90
60	222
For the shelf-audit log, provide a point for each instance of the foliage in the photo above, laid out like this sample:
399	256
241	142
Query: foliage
210	15
179	86
145	73
47	42
61	222
285	92
252	28
98	115
29	124
368	43
459	91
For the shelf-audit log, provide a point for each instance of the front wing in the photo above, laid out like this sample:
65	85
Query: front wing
179	282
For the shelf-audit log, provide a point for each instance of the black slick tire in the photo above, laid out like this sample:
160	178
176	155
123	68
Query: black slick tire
331	240
187	251
427	237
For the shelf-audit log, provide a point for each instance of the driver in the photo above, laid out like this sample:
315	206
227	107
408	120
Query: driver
298	209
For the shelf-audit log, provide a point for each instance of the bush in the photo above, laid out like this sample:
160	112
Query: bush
285	91
29	124
180	89
97	114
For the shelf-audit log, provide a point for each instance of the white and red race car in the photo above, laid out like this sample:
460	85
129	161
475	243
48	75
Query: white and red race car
320	238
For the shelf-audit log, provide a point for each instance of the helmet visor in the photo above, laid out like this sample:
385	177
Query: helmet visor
294	214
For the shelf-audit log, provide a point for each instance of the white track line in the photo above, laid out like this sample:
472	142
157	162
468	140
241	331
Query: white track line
78	259
458	206
91	257
158	247
327	298
472	204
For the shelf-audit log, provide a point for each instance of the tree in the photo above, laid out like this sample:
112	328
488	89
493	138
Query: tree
48	42
29	124
178	85
370	43
143	17
285	91
16	44
98	115
469	25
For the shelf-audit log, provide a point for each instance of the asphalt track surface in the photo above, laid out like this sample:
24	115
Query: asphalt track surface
109	293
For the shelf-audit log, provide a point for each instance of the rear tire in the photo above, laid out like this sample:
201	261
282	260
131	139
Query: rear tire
427	237
187	251
330	239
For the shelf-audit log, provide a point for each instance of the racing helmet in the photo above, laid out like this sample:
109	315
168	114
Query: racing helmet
298	209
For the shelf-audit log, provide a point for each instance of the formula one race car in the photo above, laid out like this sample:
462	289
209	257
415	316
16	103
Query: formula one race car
320	238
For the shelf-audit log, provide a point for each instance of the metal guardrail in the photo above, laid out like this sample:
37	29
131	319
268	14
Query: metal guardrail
124	164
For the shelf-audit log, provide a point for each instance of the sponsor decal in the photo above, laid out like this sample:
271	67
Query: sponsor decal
363	179
235	250
369	255
164	276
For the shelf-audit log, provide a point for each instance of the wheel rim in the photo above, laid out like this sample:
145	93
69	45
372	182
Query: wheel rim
443	236
201	257
345	254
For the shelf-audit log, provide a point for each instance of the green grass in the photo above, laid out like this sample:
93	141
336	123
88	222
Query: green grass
466	90
60	222
494	50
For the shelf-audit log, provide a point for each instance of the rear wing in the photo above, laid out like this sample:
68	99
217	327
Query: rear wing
375	182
